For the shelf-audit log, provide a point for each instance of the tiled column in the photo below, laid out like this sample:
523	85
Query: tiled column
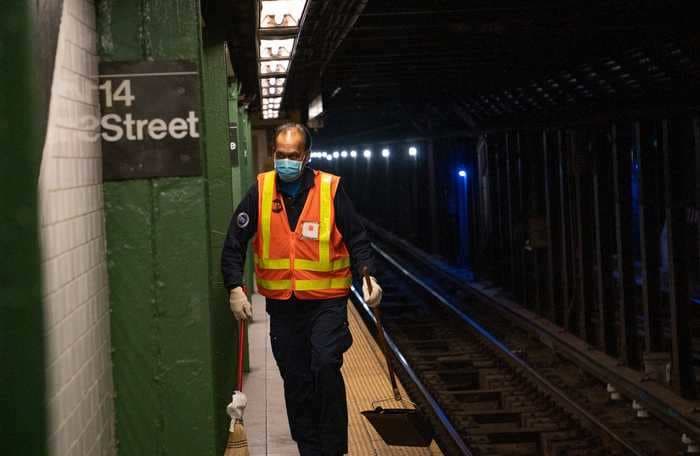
76	296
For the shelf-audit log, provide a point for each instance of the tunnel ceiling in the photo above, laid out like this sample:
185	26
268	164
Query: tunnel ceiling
416	67
323	28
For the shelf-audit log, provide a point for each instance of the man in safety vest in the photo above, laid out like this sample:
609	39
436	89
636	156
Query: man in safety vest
306	238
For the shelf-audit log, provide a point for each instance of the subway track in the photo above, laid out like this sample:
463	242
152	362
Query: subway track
500	390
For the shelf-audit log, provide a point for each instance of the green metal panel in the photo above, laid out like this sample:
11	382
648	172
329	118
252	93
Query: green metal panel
236	184
247	175
22	380
166	309
243	175
184	371
134	317
218	169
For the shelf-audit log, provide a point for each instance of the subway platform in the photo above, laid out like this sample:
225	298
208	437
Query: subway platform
366	380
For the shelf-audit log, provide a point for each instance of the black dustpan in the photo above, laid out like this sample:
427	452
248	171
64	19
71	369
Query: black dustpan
396	426
401	427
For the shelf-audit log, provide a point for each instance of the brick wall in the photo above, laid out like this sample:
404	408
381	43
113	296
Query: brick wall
76	297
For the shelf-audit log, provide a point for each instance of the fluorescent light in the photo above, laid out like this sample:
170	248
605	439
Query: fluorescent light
385	153
412	151
329	158
462	173
336	154
316	107
281	13
344	154
272	82
367	153
353	153
276	49
274	66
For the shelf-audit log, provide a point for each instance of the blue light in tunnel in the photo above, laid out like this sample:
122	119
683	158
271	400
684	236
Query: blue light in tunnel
412	151
336	154
385	153
344	154
353	153
367	153
462	200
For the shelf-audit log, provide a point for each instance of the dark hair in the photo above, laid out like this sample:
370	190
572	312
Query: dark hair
298	127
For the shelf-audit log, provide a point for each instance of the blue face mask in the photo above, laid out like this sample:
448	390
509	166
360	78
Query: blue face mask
288	170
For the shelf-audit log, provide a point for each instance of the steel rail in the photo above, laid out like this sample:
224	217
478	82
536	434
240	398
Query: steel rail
439	412
510	355
674	412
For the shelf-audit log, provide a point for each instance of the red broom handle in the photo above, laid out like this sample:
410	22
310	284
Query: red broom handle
241	343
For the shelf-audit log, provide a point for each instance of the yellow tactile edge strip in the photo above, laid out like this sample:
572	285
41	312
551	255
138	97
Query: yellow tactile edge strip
366	380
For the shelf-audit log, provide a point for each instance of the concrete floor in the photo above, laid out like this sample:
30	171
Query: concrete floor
266	423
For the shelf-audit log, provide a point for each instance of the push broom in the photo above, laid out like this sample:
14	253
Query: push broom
237	444
396	426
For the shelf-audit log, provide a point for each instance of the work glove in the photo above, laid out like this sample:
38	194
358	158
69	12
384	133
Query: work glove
237	406
240	306
372	299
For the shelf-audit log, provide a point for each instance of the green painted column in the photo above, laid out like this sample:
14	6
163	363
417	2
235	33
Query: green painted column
218	168
243	175
248	176
236	182
22	378
172	335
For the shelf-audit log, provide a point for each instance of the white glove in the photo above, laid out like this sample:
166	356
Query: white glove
237	406
375	297
240	306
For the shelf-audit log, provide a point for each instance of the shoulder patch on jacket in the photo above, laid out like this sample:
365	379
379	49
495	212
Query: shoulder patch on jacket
243	220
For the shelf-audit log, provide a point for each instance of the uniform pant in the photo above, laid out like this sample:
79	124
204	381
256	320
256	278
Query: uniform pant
308	340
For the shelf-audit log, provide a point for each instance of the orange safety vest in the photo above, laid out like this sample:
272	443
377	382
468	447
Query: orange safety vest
312	261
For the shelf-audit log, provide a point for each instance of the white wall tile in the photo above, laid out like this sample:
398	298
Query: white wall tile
81	417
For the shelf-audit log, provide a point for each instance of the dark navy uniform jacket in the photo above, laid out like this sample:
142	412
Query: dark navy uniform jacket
244	225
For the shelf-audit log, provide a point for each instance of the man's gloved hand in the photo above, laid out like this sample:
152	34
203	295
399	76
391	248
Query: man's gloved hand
240	306
372	299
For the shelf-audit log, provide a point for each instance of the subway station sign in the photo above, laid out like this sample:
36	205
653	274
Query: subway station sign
150	120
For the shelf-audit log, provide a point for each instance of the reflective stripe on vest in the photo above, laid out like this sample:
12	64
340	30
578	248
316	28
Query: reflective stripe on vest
322	284
274	284
265	262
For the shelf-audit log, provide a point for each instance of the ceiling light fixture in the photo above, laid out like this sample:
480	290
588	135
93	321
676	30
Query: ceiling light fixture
281	13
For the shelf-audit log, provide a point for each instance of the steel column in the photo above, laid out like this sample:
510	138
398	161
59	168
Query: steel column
549	220
432	198
500	242
676	157
509	212
623	235
585	237
520	218
603	213
650	221
565	299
